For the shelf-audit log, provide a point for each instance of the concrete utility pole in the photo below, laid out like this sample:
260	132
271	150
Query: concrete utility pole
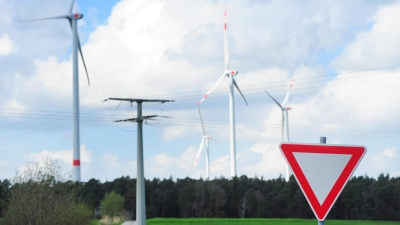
140	191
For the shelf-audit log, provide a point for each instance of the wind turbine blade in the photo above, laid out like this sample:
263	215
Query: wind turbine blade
226	54
80	51
212	89
71	6
199	152
274	99
237	87
213	139
47	18
201	119
83	60
287	95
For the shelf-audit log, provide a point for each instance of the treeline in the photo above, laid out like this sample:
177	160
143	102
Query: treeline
363	198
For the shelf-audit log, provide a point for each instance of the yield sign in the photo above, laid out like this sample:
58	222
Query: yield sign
322	171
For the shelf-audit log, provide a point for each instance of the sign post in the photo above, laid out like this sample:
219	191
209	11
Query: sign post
322	140
322	171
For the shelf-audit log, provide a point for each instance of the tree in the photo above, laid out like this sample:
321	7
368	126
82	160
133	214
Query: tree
112	204
4	192
40	195
217	199
92	193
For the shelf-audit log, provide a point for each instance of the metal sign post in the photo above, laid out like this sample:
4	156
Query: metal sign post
322	140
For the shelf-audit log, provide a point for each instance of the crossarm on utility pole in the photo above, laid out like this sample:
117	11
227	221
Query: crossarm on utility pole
137	119
139	100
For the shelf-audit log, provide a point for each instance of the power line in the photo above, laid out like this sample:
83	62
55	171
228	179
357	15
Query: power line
221	124
34	115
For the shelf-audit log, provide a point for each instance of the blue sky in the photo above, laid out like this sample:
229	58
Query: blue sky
345	66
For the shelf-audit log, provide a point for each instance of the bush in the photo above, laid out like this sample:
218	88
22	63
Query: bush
40	195
112	205
83	214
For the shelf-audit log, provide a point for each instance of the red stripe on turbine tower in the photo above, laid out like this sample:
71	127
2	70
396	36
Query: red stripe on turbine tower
225	21
76	162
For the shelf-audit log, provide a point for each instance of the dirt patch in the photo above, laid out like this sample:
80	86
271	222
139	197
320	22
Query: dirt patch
107	220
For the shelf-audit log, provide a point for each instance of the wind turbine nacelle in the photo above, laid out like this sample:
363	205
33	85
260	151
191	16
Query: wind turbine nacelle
232	72
76	16
288	108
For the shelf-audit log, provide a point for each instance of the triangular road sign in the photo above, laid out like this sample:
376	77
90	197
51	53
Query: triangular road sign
322	171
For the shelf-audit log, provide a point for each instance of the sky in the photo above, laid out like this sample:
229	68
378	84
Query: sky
344	58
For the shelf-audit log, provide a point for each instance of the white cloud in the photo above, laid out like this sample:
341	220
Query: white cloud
378	46
262	159
164	165
110	161
385	160
6	45
392	153
355	102
64	156
113	166
220	167
175	132
147	49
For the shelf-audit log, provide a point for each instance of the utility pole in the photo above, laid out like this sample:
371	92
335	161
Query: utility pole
140	191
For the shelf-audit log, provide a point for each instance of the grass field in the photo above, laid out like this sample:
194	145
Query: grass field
205	221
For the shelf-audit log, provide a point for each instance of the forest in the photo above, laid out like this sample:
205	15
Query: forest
363	198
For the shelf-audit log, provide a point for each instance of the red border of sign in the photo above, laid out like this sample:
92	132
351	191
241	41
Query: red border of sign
321	211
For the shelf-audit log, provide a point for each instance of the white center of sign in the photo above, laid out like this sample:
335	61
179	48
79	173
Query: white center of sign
321	171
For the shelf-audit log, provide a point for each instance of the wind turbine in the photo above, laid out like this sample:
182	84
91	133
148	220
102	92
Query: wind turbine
228	73
205	140
72	19
285	120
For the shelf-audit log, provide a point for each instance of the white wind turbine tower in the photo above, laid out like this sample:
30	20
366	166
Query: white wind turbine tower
228	73
72	19
285	120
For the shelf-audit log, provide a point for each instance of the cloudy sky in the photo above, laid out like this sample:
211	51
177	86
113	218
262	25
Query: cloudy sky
344	58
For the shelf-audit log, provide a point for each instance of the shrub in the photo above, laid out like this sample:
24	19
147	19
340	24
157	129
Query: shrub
40	195
112	205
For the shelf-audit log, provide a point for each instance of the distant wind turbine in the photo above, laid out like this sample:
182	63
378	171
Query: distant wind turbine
228	73
72	19
285	120
205	140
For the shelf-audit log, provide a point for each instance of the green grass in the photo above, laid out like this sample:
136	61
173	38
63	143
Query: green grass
208	221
